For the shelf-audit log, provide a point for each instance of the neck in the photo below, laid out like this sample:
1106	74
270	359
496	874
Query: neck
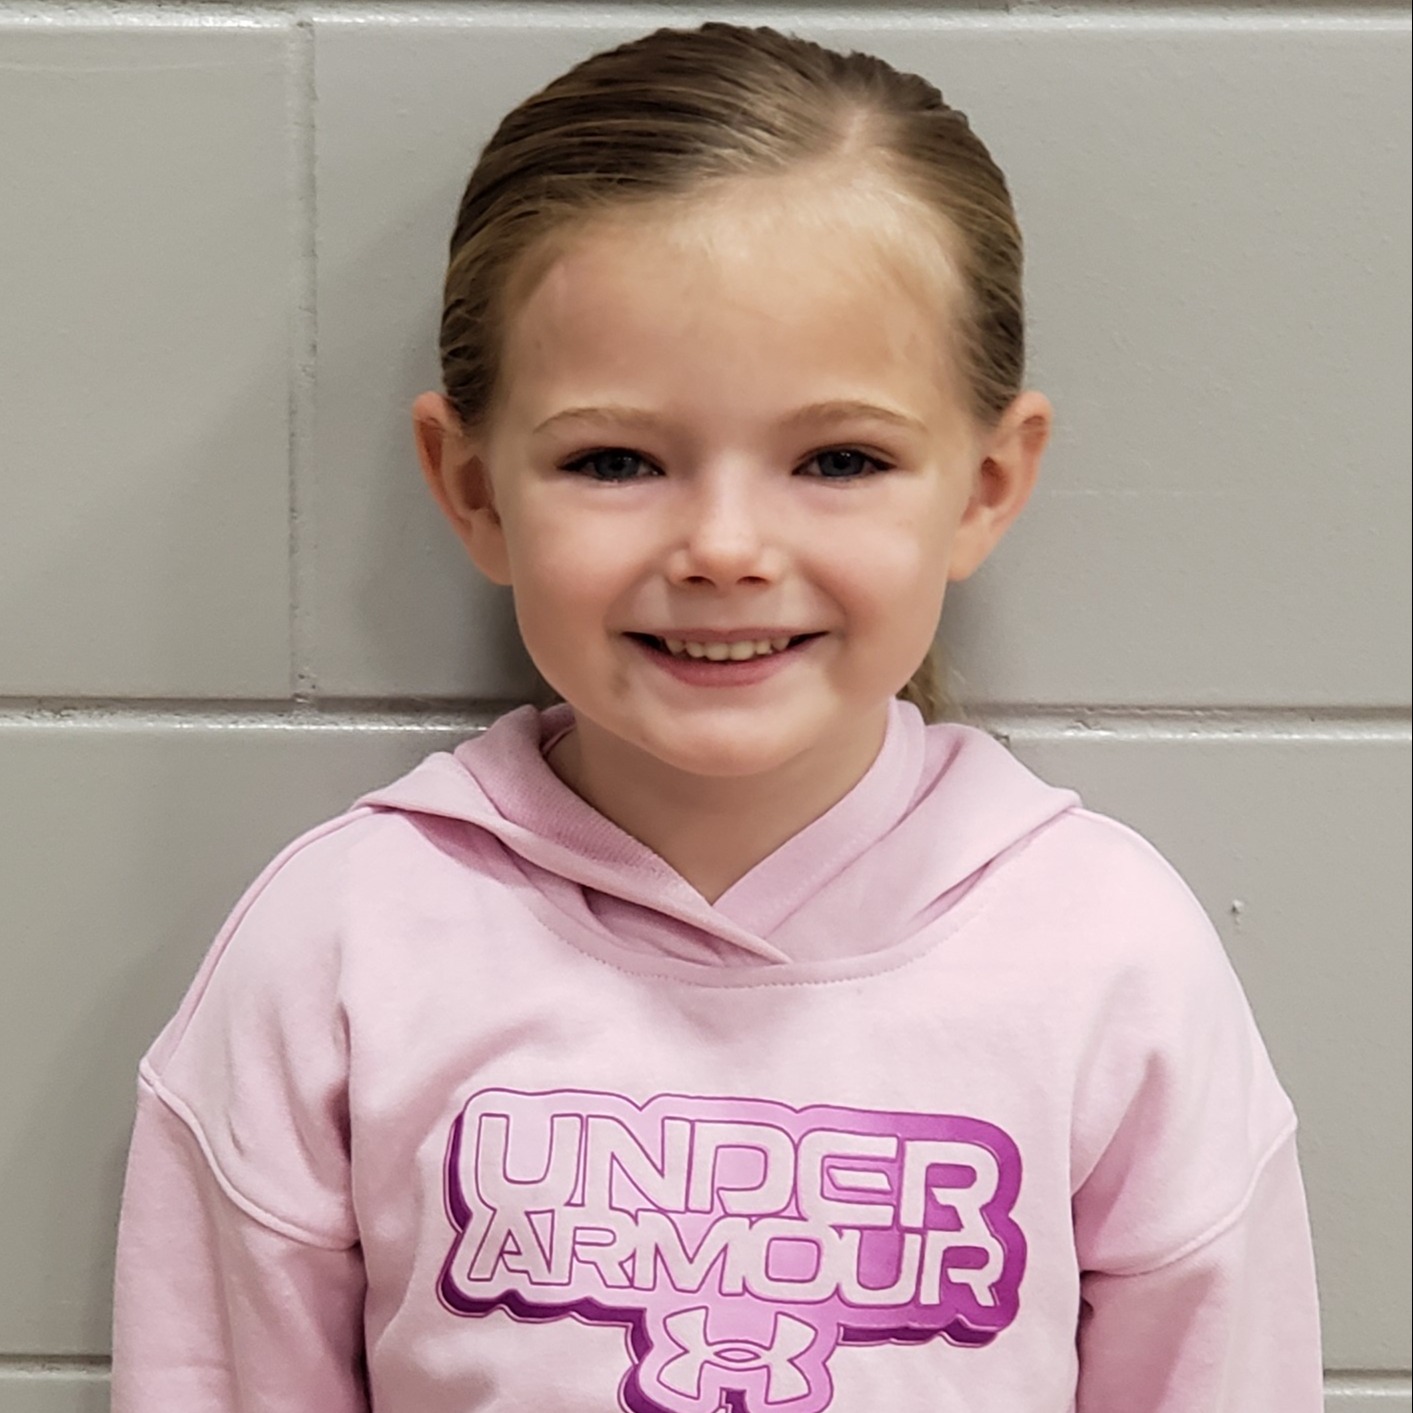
712	830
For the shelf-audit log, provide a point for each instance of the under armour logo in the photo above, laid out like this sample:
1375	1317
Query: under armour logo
785	1380
740	1244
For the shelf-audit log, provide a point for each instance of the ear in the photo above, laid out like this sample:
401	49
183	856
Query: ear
460	483
1003	480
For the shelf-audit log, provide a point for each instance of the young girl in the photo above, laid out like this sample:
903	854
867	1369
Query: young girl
725	1038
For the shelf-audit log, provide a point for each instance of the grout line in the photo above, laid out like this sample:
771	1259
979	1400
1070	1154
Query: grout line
1254	15
1187	723
1007	722
365	716
130	14
64	1367
1032	15
1250	15
304	339
1388	1382
1385	1381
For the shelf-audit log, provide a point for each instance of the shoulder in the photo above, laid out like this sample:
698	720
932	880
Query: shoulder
1109	924
1114	888
279	960
255	1061
1172	1051
279	941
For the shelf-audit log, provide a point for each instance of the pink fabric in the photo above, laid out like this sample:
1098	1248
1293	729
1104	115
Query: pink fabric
953	1101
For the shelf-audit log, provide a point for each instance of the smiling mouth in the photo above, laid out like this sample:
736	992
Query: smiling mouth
742	651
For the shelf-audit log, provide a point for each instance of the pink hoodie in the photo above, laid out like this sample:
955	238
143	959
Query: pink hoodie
952	1103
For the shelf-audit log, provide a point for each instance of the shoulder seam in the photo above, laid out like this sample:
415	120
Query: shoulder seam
236	917
1127	832
1223	1224
276	866
305	1236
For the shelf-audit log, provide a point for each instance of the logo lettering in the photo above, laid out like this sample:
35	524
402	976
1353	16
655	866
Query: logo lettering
739	1241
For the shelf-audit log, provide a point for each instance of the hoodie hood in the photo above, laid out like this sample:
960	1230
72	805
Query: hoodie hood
936	808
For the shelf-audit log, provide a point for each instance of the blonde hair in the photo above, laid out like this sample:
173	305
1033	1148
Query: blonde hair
663	117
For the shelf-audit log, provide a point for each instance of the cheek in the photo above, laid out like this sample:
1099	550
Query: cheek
560	630
892	570
554	559
571	581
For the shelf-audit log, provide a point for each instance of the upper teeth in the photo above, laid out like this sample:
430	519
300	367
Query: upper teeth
721	652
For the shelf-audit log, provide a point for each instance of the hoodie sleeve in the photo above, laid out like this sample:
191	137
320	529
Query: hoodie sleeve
239	1284
214	1312
1231	1327
1197	1276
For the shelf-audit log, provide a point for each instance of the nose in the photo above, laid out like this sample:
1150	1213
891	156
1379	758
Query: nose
725	537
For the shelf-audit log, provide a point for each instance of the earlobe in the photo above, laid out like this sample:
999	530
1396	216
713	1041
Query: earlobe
460	483
1005	477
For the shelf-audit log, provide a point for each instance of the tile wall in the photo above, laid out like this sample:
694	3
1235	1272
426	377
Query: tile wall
227	607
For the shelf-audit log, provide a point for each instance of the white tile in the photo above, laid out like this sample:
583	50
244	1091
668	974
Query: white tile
1217	217
1299	851
57	1391
144	354
134	844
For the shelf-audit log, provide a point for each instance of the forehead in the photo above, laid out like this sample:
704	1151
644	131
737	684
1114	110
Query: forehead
761	292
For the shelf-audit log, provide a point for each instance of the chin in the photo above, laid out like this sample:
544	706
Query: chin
732	751
722	765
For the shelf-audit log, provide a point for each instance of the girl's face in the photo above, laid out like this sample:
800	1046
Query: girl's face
737	426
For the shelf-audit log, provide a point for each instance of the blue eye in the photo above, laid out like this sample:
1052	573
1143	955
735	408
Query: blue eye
845	464
614	463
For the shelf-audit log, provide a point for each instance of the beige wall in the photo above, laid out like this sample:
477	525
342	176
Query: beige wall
223	594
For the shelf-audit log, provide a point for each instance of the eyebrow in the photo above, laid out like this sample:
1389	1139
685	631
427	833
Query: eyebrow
847	410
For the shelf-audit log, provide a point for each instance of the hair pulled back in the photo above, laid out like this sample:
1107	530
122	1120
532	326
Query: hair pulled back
664	117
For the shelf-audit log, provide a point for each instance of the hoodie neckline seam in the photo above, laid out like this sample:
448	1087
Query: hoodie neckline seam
700	975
